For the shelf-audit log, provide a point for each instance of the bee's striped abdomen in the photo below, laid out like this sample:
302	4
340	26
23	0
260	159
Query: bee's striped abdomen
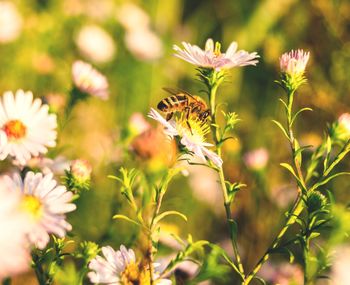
172	103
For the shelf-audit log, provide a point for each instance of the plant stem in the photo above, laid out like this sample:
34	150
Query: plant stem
227	202
298	204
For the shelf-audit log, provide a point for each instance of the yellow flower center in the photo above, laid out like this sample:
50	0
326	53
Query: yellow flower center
192	128
133	275
130	276
33	206
15	129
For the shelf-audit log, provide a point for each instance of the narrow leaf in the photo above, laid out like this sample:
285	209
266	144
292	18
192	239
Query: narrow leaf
123	217
168	213
282	128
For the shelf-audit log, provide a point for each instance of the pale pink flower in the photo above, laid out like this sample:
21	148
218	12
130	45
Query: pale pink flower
256	159
294	62
57	166
26	127
193	140
144	44
340	269
14	247
132	17
88	79
138	124
44	203
115	267
96	44
211	57
282	274
11	22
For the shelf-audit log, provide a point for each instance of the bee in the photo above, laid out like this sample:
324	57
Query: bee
183	102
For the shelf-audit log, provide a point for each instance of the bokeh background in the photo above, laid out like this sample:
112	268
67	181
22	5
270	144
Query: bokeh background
131	43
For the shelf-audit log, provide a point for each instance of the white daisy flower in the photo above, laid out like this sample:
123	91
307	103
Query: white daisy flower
45	203
11	22
211	56
120	268
193	139
88	79
26	127
14	248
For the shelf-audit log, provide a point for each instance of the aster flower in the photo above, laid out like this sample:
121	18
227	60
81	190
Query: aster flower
26	127
120	268
44	203
15	257
193	139
89	80
211	57
292	65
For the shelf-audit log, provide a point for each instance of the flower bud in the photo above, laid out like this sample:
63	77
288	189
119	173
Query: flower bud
316	201
79	175
292	65
340	130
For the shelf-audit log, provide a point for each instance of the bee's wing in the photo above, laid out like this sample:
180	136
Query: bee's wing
177	91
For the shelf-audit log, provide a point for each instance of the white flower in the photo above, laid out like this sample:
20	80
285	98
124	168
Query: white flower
95	44
192	139
88	79
45	204
132	17
120	267
14	248
211	57
294	62
10	22
144	44
26	127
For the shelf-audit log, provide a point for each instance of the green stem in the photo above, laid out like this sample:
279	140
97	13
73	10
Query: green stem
6	281
227	202
298	204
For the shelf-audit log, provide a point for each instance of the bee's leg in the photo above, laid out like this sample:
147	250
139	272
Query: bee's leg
187	110
169	116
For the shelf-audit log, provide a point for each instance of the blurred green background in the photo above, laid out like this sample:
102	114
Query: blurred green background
131	43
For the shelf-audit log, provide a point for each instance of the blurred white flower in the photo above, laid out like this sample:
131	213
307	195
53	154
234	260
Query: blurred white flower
211	56
340	269
132	17
283	273
88	79
10	22
57	166
256	159
14	248
193	140
26	127
95	44
144	44
120	267
294	62
45	204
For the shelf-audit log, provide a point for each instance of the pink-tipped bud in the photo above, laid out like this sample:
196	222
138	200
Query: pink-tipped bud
81	170
294	62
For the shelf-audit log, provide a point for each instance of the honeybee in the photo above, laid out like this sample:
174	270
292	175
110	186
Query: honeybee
182	101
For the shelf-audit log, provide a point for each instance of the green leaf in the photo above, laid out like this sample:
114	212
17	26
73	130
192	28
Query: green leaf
168	213
125	218
329	178
284	250
262	281
283	103
298	113
282	128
